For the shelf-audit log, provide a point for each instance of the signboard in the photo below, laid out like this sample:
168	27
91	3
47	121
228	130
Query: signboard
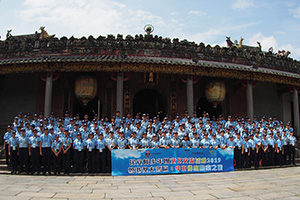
168	161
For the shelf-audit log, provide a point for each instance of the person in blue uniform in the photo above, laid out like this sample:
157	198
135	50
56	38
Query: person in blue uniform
264	147
110	144
175	141
91	153
271	149
45	151
279	150
154	143
253	152
205	142
13	152
214	143
195	143
23	152
245	153
6	138
66	144
34	144
121	141
56	154
284	141
239	147
164	142
292	143
185	143
101	154
79	147
133	141
144	142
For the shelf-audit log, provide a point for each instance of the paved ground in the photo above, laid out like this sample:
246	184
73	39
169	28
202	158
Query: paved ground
280	183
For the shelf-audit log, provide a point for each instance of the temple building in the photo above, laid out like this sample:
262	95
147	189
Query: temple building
144	74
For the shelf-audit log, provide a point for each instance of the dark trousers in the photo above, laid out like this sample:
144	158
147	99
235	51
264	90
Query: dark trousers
35	160
271	155
254	157
66	161
78	161
91	160
285	154
13	159
292	154
6	155
108	160
56	162
238	156
46	157
101	161
23	159
279	158
264	158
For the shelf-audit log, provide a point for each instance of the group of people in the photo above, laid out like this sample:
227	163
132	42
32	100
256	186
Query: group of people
70	145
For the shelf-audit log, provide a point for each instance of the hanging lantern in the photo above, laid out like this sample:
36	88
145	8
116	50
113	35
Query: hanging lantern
85	88
215	92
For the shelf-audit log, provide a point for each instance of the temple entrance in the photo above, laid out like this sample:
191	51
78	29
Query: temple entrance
149	101
204	105
91	108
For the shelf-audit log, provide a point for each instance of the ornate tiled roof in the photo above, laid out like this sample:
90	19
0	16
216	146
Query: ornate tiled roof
32	54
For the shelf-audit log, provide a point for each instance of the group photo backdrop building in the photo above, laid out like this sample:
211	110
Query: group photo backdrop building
144	73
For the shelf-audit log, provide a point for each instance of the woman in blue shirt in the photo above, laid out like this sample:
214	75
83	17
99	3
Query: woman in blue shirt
23	151
91	153
45	150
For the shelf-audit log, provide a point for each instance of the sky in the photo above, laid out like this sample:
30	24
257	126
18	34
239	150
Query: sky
274	23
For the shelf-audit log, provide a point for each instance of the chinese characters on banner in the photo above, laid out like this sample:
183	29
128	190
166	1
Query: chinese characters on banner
168	161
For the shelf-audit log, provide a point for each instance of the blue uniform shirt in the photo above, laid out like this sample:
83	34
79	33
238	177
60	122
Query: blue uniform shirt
79	144
214	143
34	142
13	142
65	141
205	143
185	143
122	143
46	140
56	145
90	144
100	144
144	143
23	141
133	142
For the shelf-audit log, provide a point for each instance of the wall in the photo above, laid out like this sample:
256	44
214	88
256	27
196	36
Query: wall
267	101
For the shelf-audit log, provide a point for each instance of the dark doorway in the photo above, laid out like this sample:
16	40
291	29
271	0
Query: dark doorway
91	108
204	105
149	101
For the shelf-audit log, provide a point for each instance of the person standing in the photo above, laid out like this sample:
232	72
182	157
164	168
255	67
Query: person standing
292	143
13	152
23	151
91	153
6	138
66	144
79	147
34	142
101	154
45	151
56	154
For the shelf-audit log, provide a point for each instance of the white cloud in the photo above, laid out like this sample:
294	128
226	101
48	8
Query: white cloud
197	13
86	17
270	41
266	42
242	4
296	12
127	153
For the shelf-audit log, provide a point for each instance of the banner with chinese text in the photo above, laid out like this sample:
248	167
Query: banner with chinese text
168	161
